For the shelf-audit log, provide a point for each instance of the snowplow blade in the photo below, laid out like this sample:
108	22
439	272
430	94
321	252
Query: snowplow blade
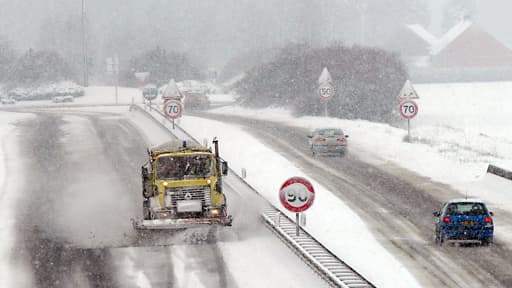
170	224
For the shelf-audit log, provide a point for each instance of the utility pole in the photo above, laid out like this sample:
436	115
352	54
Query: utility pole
84	48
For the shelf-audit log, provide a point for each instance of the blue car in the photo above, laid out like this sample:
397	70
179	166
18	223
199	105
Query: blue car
464	221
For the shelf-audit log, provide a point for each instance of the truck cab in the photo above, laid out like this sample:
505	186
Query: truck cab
182	186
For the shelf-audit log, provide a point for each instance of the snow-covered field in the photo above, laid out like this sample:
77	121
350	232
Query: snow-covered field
459	130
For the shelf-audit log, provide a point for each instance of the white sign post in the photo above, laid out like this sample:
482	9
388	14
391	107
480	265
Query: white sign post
408	92
325	88
408	107
113	68
297	195
172	91
149	93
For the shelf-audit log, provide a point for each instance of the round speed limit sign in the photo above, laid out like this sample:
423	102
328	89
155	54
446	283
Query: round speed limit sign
326	90
408	109
173	109
297	194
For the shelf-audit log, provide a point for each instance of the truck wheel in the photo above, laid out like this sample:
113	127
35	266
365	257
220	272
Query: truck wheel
145	210
145	193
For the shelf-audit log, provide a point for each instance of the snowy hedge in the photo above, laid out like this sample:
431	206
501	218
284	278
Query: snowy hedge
367	82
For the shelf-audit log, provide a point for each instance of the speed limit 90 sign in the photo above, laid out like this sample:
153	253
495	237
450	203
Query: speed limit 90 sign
297	194
408	109
173	109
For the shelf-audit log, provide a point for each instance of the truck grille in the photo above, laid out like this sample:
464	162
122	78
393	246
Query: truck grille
189	193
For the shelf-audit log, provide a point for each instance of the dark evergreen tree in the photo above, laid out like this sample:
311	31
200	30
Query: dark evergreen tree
162	66
36	67
7	59
367	82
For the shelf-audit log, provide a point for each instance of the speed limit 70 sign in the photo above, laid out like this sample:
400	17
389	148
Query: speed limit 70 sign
297	194
408	109
173	109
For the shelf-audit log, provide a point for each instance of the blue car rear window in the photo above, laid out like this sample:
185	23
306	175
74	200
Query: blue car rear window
466	209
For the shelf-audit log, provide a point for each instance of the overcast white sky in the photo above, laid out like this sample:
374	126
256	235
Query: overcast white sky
218	30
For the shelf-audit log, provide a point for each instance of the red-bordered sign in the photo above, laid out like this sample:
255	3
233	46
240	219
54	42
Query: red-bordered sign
326	90
408	109
297	194
173	109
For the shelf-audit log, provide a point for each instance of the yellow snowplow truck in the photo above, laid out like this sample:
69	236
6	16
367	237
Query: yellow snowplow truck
182	187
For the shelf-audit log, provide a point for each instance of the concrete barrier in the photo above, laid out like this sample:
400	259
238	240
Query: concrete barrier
499	171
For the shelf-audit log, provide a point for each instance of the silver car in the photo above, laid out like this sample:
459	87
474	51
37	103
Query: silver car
328	141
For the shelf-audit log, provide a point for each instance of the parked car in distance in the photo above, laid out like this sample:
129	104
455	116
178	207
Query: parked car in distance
63	99
464	221
328	141
8	100
196	100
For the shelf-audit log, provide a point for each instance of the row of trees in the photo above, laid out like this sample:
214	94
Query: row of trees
367	81
35	67
32	67
162	65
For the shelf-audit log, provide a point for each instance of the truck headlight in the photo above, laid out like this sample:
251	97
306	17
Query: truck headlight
215	212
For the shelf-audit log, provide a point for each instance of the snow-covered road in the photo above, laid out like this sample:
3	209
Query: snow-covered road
81	187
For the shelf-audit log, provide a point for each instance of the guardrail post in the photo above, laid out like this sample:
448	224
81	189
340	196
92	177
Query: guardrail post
277	221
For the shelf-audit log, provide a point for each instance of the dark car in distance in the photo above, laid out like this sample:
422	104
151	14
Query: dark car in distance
464	221
328	141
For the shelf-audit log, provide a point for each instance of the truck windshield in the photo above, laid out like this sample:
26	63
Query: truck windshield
186	166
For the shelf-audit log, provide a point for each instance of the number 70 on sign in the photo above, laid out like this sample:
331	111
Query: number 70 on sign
173	109
408	109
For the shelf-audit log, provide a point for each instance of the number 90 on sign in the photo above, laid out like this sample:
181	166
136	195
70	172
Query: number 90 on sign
173	109
297	194
408	109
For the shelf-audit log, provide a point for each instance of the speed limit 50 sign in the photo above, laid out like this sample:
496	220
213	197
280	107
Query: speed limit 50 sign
408	109
326	90
173	109
297	194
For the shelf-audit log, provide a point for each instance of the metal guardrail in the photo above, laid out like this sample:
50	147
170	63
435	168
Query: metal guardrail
325	263
499	172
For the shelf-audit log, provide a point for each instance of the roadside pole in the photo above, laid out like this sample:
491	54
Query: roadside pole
409	129
408	108
116	72
325	89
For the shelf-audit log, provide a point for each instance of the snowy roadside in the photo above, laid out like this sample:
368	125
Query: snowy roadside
9	167
357	245
461	128
452	149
